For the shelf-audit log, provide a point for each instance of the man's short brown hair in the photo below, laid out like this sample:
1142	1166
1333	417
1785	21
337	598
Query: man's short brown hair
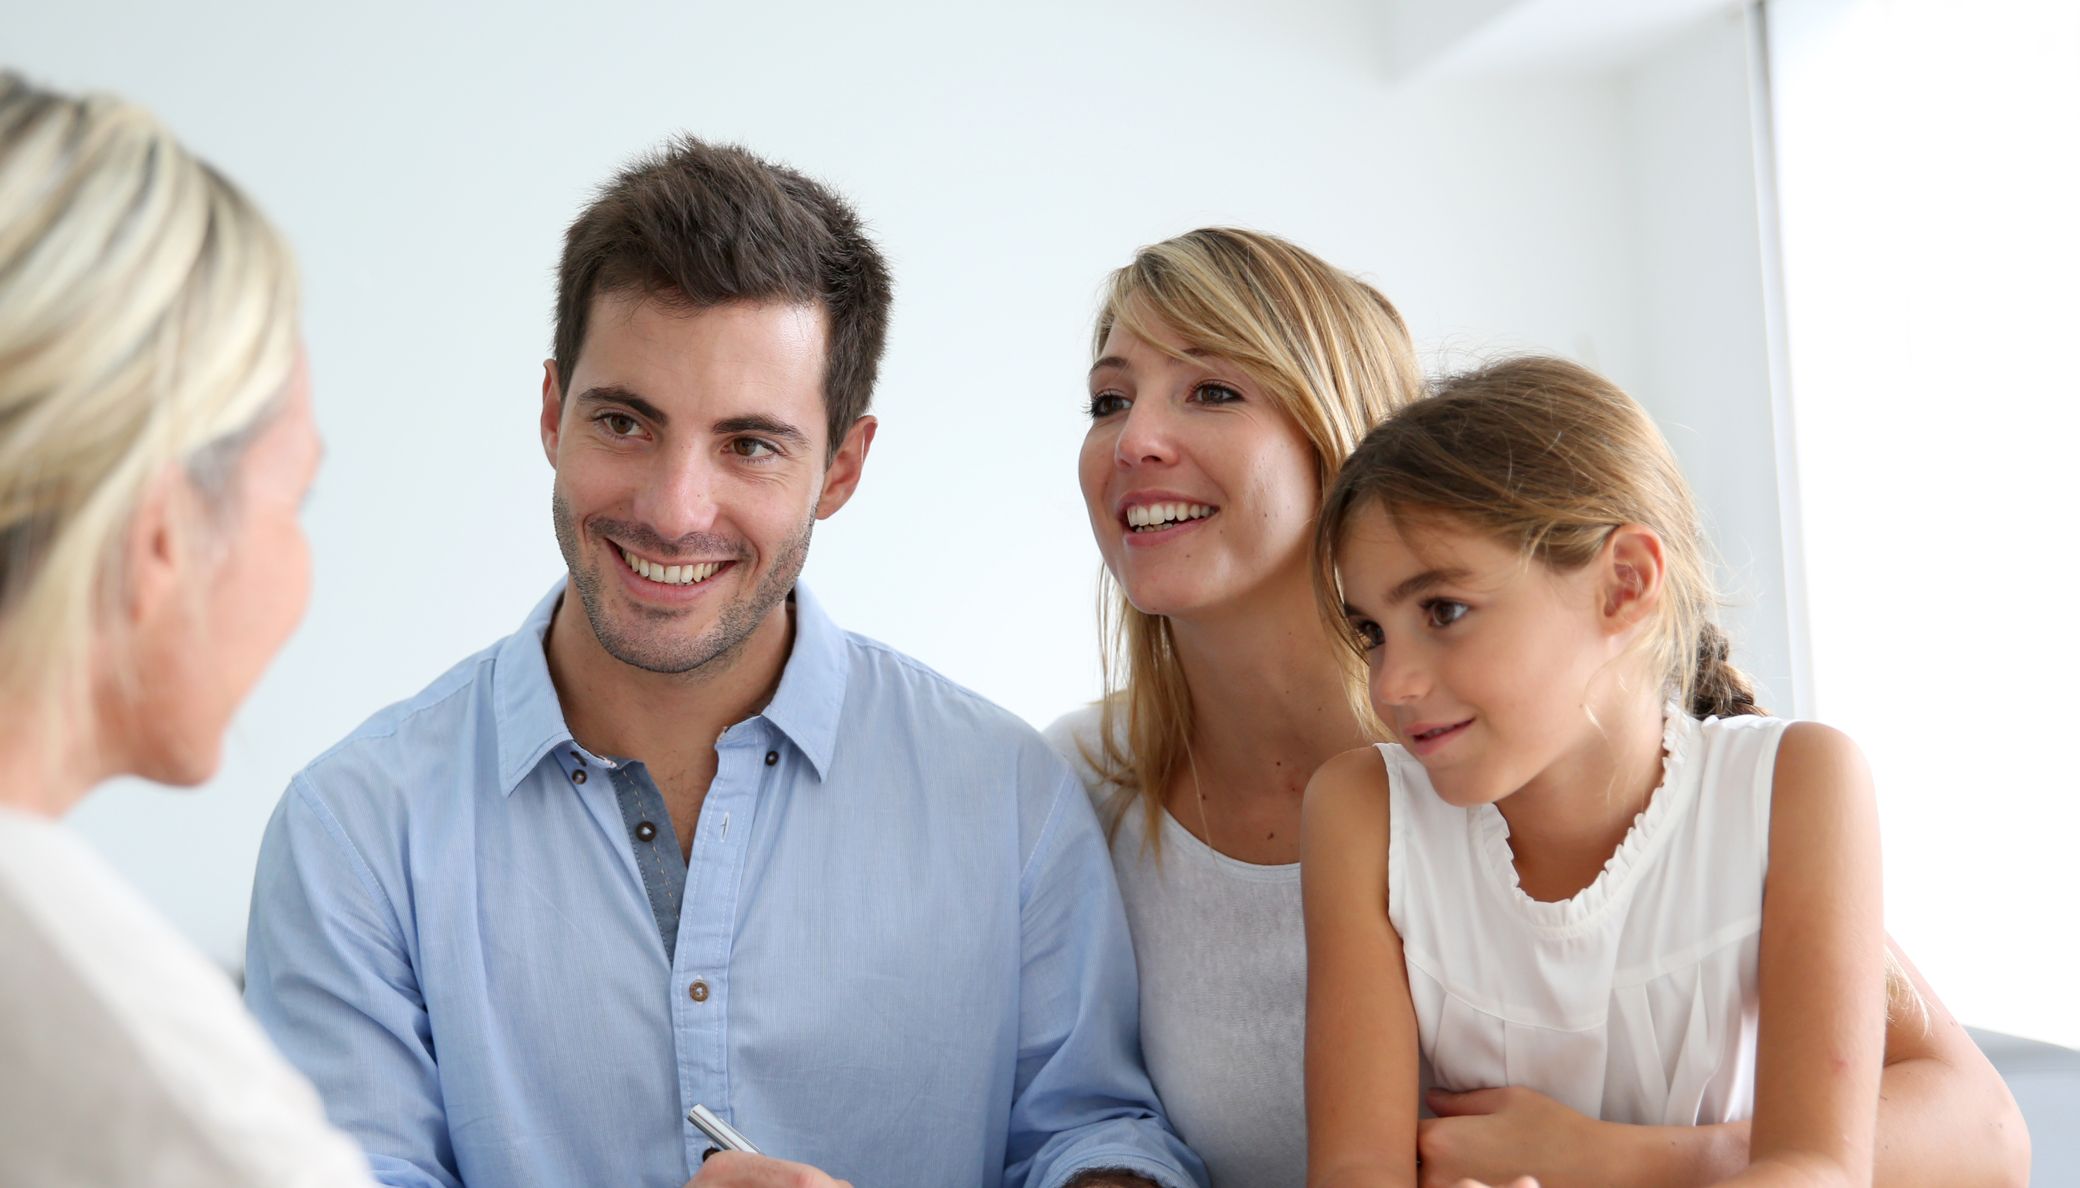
700	225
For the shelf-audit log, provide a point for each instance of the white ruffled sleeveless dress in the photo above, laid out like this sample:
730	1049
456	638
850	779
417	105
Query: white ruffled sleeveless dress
1634	1001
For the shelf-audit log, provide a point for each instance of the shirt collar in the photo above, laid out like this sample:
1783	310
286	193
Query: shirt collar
530	718
805	707
811	695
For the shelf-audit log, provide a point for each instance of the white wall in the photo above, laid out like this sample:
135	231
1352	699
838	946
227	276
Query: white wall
1705	309
1930	176
426	160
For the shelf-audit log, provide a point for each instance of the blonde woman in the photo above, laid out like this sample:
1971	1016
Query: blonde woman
1234	372
156	441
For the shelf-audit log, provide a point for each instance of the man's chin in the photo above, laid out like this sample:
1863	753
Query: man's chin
666	640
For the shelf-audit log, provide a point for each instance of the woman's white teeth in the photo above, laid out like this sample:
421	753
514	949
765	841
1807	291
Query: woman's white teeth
1158	515
672	575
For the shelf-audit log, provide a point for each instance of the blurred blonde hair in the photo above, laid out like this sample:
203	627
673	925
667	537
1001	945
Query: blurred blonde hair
1327	348
147	320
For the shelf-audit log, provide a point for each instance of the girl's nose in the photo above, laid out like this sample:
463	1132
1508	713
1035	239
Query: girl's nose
1399	680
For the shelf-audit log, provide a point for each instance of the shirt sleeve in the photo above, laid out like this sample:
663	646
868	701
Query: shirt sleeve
1083	1101
330	977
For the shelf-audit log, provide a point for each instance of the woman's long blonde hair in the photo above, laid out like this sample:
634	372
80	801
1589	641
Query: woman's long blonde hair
1326	347
147	320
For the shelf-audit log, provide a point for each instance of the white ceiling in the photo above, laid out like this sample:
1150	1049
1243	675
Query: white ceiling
1472	37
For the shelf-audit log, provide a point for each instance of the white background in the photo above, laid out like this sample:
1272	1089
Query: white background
1578	177
1930	177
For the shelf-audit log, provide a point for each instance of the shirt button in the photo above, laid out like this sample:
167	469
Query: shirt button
578	777
772	757
698	991
645	831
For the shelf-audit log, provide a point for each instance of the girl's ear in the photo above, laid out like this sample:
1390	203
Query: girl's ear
1635	570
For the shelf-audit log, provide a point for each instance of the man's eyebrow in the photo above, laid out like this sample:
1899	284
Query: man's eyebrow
765	427
1428	579
616	394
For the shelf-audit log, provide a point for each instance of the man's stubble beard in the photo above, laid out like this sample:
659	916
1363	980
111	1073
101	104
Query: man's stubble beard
660	653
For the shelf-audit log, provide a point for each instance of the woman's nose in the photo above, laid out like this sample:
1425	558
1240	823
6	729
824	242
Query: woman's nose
1147	437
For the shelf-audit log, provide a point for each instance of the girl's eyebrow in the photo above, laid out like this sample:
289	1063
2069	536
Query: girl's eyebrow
1425	580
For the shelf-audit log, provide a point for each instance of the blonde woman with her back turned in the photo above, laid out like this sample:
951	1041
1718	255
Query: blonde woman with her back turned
1233	372
156	441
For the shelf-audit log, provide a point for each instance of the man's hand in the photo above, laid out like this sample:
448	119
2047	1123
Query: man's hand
734	1169
1489	1136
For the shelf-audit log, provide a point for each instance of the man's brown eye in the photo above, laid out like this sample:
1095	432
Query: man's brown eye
619	424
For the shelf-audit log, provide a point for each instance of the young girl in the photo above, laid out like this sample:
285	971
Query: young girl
1590	867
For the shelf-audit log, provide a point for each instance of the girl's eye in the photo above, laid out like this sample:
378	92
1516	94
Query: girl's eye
1216	394
1368	633
1104	404
751	447
1443	612
620	424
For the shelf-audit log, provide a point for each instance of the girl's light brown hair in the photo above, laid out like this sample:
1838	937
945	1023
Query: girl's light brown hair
1328	349
1550	458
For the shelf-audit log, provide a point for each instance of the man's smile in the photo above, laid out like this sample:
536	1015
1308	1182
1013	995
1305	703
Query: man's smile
684	574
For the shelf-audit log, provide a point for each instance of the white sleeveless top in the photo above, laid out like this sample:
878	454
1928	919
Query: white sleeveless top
1223	963
1634	1001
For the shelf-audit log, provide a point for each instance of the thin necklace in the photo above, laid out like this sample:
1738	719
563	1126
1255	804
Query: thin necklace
1199	793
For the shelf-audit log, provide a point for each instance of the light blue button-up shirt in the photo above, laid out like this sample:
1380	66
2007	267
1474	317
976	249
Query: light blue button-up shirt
900	952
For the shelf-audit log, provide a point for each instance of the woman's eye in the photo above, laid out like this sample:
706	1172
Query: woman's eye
751	447
1443	612
619	424
1104	404
1215	394
1368	633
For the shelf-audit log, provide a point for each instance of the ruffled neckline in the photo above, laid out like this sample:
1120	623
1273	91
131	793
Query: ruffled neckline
1586	908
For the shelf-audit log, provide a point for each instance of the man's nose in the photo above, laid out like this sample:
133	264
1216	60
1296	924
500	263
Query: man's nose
680	498
1148	436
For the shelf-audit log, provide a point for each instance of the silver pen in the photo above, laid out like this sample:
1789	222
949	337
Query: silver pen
722	1134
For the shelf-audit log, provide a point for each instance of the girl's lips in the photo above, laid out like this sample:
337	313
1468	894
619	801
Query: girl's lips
1431	738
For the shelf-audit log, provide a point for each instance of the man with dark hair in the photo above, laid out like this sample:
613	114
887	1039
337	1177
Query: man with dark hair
682	841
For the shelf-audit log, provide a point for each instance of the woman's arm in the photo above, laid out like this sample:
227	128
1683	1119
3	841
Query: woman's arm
1945	1120
1361	1031
1945	1117
1821	1046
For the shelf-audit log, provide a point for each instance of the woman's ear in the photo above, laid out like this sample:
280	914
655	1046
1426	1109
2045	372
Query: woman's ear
159	550
1635	571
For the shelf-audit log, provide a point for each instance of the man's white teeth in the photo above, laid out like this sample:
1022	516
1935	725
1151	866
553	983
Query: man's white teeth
1157	515
672	575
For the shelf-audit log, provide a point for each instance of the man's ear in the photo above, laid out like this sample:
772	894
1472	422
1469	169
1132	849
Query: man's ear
841	477
1635	574
552	410
158	550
